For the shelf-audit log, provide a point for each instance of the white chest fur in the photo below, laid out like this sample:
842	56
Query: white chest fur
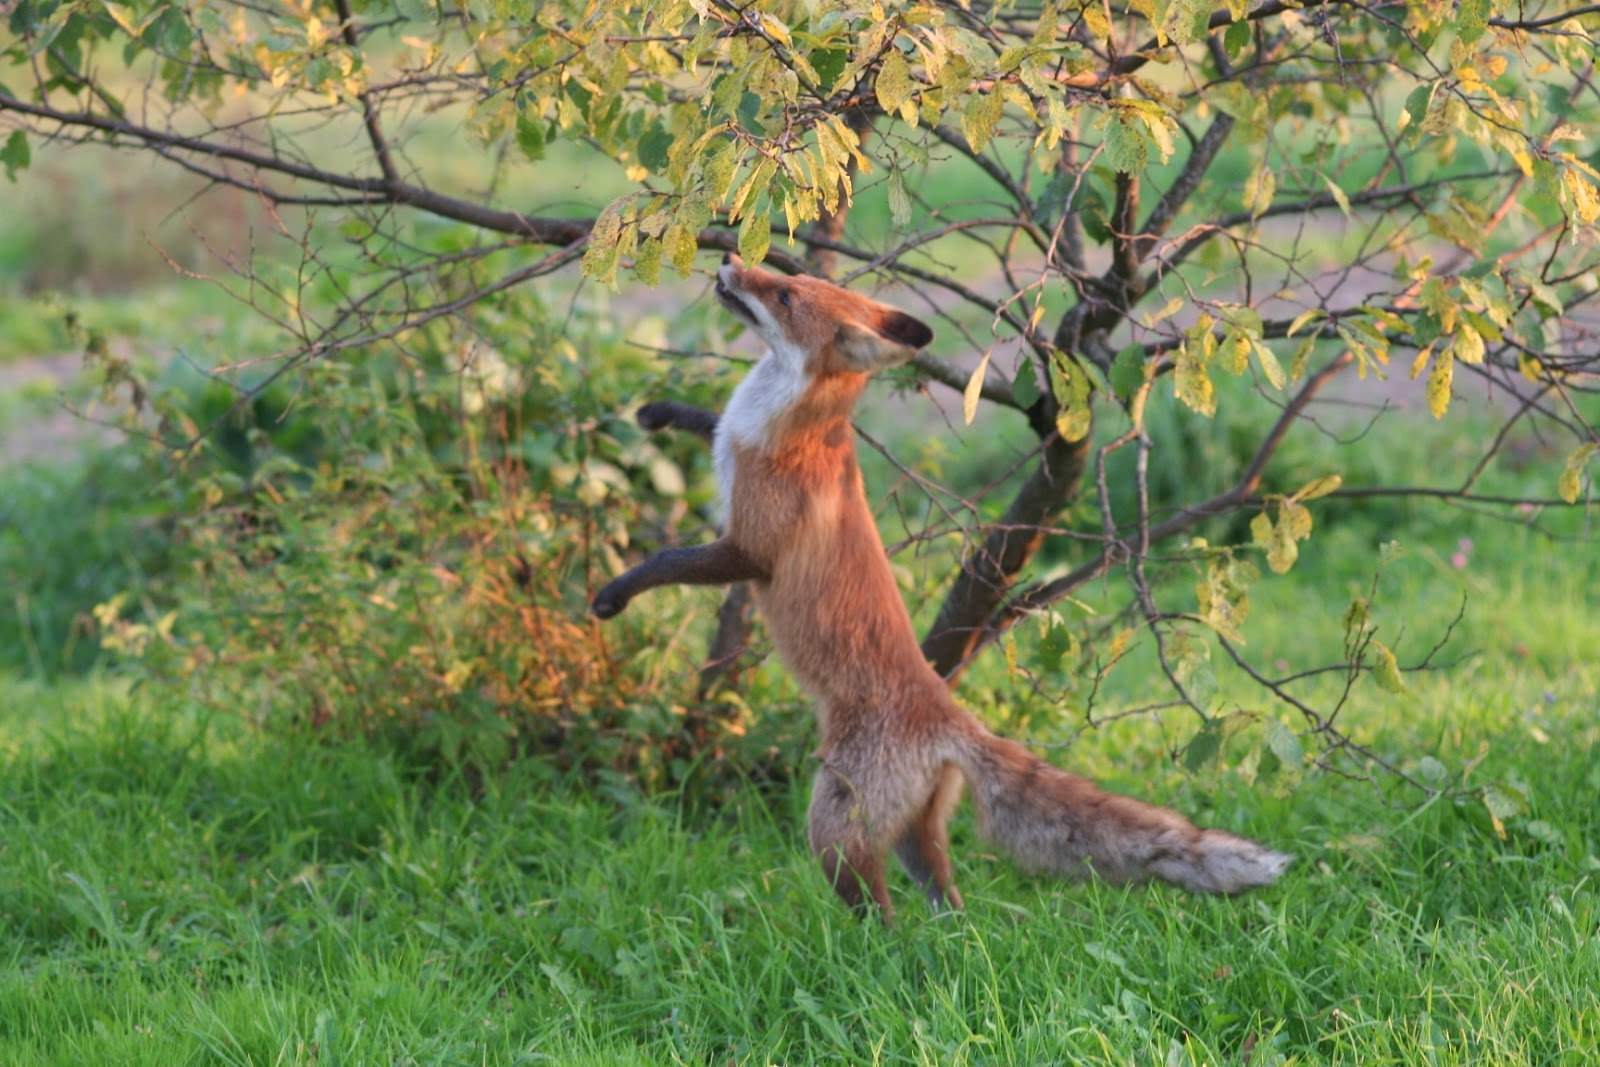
770	389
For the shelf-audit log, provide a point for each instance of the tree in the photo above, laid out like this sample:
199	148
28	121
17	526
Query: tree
1152	173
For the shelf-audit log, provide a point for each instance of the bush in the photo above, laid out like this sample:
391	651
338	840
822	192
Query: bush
409	553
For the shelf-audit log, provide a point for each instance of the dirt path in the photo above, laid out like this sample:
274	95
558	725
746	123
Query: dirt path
42	430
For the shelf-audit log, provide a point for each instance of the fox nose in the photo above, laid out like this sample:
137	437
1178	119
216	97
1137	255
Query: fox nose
731	259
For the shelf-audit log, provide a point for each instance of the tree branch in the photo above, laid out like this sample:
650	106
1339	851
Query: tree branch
537	229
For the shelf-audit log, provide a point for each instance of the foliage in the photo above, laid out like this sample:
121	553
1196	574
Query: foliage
402	547
71	538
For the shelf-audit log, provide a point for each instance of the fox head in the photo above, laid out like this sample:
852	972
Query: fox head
822	328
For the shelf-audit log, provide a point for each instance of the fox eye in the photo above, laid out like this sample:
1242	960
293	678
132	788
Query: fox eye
783	297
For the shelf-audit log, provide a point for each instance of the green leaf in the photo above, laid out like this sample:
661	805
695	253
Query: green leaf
1203	746
1055	644
1127	150
1127	372
899	199
1025	384
1282	742
829	63
530	136
653	147
1235	39
1417	104
1472	18
1070	385
15	155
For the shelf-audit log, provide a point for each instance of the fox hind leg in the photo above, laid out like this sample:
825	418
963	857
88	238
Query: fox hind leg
842	838
924	847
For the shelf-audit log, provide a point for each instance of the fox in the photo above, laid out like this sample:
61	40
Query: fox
896	749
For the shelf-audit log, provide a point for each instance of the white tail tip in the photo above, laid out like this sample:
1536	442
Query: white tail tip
1222	863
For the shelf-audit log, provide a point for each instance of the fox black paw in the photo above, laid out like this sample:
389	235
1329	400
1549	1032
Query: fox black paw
607	604
655	415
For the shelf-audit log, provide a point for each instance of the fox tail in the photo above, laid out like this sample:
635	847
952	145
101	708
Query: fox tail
1053	821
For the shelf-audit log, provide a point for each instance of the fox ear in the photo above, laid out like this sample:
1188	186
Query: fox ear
894	339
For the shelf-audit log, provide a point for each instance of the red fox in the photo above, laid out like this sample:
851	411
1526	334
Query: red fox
895	748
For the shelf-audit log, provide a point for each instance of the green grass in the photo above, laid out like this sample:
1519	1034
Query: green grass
176	890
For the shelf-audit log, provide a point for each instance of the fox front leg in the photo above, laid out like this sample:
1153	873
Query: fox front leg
669	414
720	563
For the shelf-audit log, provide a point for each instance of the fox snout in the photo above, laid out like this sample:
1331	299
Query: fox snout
728	286
835	329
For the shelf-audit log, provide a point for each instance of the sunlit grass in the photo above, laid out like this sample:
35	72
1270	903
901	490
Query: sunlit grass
177	889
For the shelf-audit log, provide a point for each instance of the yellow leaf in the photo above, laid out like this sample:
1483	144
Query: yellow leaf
1318	487
1269	365
1192	385
1281	549
1301	319
1297	518
1571	482
974	389
1585	200
775	28
980	118
1421	361
1258	190
1172	307
1438	388
1338	195
1235	353
893	85
1386	671
755	237
1468	345
123	15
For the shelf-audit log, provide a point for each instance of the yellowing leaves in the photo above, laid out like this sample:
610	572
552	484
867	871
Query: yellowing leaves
1386	669
1570	484
755	237
1191	383
1071	387
1259	189
1222	595
1581	197
894	87
1439	378
1280	539
979	119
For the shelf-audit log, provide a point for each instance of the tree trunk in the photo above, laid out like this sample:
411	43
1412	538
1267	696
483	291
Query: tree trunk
1006	549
